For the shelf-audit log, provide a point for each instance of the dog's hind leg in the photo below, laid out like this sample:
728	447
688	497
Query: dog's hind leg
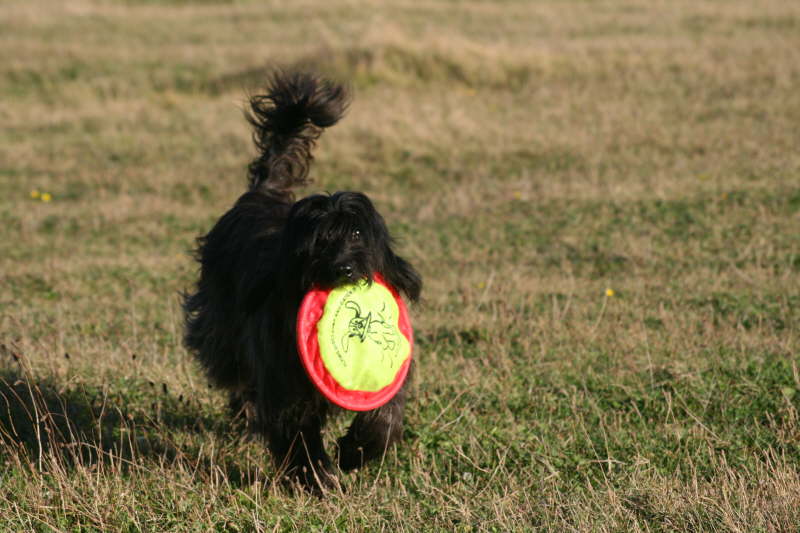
372	432
242	403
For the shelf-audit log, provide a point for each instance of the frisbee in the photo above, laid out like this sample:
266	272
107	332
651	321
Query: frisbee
355	342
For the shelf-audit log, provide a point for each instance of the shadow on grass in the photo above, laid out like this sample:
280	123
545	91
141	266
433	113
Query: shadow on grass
43	421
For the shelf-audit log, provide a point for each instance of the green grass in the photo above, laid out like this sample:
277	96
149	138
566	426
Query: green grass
528	156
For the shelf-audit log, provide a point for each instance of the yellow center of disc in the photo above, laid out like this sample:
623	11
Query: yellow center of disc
359	340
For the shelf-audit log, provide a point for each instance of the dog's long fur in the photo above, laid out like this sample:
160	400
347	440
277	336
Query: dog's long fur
258	262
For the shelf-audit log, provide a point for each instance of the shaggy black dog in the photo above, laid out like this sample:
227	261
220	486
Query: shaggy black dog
259	261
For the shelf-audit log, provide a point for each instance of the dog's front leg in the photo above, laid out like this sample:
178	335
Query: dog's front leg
372	432
297	448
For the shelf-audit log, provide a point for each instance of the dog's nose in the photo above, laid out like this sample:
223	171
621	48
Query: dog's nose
346	271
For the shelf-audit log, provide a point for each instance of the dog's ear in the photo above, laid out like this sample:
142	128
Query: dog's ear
403	277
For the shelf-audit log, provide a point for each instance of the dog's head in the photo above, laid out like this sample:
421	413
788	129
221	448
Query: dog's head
330	240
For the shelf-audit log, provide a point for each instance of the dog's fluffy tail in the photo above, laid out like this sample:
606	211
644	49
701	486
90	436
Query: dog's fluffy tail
287	120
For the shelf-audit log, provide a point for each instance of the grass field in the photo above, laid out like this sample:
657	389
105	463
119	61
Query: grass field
603	198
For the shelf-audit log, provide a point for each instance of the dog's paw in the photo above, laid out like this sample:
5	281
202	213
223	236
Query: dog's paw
316	481
351	456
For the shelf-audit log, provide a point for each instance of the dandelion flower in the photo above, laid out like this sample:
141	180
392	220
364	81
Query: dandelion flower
517	195
46	197
609	292
35	194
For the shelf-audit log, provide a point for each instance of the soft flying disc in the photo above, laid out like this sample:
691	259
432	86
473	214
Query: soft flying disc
355	342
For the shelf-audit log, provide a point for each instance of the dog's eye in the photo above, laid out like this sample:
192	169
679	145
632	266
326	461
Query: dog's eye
356	235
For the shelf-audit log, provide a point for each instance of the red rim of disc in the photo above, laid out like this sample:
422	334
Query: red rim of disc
311	309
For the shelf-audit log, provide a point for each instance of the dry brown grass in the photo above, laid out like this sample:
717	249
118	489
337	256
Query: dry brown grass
529	155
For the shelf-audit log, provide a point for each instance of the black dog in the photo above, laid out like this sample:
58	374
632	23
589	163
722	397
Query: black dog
258	262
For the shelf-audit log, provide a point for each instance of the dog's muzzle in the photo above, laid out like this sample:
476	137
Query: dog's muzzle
345	271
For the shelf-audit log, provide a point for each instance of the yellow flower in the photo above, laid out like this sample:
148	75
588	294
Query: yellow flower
46	197
517	195
609	292
35	193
